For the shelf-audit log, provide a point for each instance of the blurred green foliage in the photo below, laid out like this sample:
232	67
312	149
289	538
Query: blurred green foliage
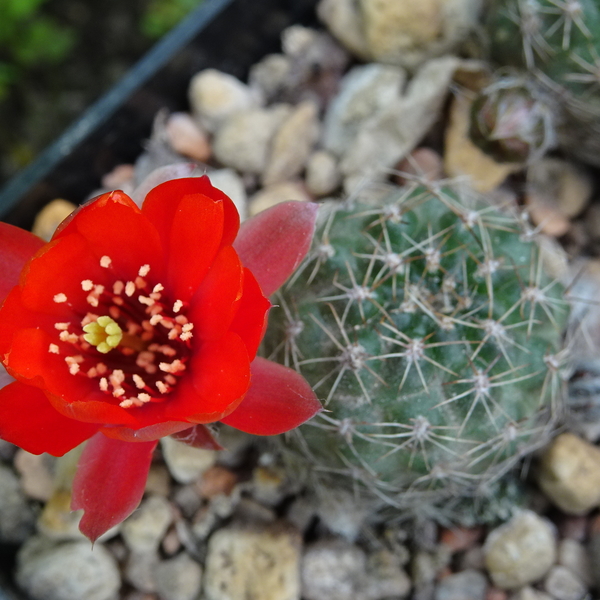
29	39
162	15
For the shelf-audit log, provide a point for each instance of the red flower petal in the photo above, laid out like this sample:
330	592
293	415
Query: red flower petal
145	434
219	377
74	396
59	268
114	226
278	400
109	483
198	436
162	202
28	420
17	246
274	242
250	321
216	300
14	316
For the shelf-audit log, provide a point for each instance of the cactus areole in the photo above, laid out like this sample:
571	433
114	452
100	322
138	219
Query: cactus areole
432	334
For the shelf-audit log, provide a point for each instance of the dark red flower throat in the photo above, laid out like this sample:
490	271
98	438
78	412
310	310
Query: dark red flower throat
133	339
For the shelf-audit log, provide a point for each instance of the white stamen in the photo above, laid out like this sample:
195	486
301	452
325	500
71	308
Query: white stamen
105	262
140	283
156	319
118	287
126	403
159	287
177	306
116	378
175	367
144	397
181	319
144	270
65	336
60	298
162	387
140	384
118	392
61	326
53	349
92	373
146	300
87	285
130	288
103	383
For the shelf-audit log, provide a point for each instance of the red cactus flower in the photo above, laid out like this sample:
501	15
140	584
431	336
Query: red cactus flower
132	324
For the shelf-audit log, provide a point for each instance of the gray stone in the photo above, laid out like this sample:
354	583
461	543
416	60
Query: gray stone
574	556
16	516
277	193
338	570
69	571
393	132
229	182
521	551
529	593
145	528
244	563
561	583
179	578
244	140
365	92
333	569
292	144
185	463
466	585
140	571
216	96
270	74
322	174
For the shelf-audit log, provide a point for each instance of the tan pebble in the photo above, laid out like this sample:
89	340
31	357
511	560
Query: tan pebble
57	520
463	158
120	176
292	144
569	474
216	481
277	193
159	481
546	216
565	185
322	173
51	216
186	137
423	163
460	538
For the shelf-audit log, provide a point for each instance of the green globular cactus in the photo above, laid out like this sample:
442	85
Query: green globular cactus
557	43
430	330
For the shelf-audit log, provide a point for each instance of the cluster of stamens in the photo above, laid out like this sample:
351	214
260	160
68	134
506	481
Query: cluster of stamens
129	338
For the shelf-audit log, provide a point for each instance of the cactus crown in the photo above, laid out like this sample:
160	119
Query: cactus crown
432	333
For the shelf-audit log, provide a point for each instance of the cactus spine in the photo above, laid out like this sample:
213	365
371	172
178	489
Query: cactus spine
432	333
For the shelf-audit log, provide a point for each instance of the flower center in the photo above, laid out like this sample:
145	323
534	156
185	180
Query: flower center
129	338
104	333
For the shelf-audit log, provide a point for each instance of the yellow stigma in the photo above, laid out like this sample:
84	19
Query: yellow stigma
104	333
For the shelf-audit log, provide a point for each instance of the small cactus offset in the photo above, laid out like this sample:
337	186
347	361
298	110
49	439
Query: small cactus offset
557	42
430	330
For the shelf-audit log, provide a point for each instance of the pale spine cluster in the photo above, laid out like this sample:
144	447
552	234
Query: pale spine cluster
431	332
